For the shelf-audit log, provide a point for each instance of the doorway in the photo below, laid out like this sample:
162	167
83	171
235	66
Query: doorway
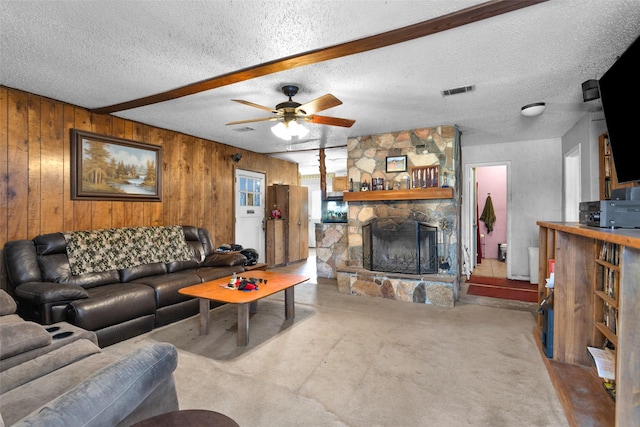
572	188
315	205
483	250
250	198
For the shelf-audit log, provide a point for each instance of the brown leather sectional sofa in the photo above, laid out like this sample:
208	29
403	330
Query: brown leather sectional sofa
115	304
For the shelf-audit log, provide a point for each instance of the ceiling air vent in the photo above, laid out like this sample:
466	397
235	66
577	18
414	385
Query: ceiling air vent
244	129
457	90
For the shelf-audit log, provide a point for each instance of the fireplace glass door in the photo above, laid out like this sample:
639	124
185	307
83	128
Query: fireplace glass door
399	245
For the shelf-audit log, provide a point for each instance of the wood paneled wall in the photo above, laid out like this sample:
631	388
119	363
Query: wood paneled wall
197	180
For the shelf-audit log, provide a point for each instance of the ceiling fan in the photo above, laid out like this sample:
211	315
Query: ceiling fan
289	112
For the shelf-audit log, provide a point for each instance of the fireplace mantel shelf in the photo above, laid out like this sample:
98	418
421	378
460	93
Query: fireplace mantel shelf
412	194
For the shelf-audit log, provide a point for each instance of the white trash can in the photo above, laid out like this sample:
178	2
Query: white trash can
502	251
533	265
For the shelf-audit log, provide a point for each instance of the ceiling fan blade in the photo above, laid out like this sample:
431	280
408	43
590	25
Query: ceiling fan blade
263	119
332	121
251	104
323	103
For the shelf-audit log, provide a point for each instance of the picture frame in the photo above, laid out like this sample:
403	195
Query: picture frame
396	163
116	169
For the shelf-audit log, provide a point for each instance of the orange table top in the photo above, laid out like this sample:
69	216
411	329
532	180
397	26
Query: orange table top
218	290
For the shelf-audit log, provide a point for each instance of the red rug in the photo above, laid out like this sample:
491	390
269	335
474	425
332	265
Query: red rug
494	287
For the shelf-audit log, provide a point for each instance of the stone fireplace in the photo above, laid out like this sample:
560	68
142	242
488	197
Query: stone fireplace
423	266
437	287
399	245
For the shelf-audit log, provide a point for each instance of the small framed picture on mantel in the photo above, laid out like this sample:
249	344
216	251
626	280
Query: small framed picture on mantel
397	164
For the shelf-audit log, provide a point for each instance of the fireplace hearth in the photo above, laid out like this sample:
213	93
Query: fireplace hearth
399	245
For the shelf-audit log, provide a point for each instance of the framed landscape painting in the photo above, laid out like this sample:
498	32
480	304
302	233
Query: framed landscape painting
108	168
396	164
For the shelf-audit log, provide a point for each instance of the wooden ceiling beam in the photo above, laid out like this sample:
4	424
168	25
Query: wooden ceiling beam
442	23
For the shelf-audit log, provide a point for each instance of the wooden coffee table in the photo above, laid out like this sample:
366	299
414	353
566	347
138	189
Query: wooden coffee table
217	290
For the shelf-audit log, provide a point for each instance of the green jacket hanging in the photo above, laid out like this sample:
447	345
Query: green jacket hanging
488	215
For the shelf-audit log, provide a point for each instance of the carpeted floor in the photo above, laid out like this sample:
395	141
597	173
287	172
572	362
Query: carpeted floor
495	287
359	361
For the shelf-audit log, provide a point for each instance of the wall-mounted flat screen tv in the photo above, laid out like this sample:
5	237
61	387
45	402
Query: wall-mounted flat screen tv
619	91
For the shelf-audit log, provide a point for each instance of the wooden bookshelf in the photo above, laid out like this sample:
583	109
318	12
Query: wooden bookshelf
606	287
608	177
606	164
594	268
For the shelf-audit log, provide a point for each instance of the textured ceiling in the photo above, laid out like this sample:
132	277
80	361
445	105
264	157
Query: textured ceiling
98	53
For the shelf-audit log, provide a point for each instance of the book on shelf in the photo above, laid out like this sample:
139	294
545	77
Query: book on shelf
610	252
605	360
610	318
610	387
609	282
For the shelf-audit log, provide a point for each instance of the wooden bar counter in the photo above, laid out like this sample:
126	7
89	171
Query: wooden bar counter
579	251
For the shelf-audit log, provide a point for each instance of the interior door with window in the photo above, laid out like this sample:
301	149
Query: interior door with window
250	199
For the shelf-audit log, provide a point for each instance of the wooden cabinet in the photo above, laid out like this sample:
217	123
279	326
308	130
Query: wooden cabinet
608	178
596	298
339	183
292	200
275	242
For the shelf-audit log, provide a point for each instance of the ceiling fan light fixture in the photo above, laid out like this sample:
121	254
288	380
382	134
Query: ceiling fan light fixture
286	130
281	131
534	109
296	129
